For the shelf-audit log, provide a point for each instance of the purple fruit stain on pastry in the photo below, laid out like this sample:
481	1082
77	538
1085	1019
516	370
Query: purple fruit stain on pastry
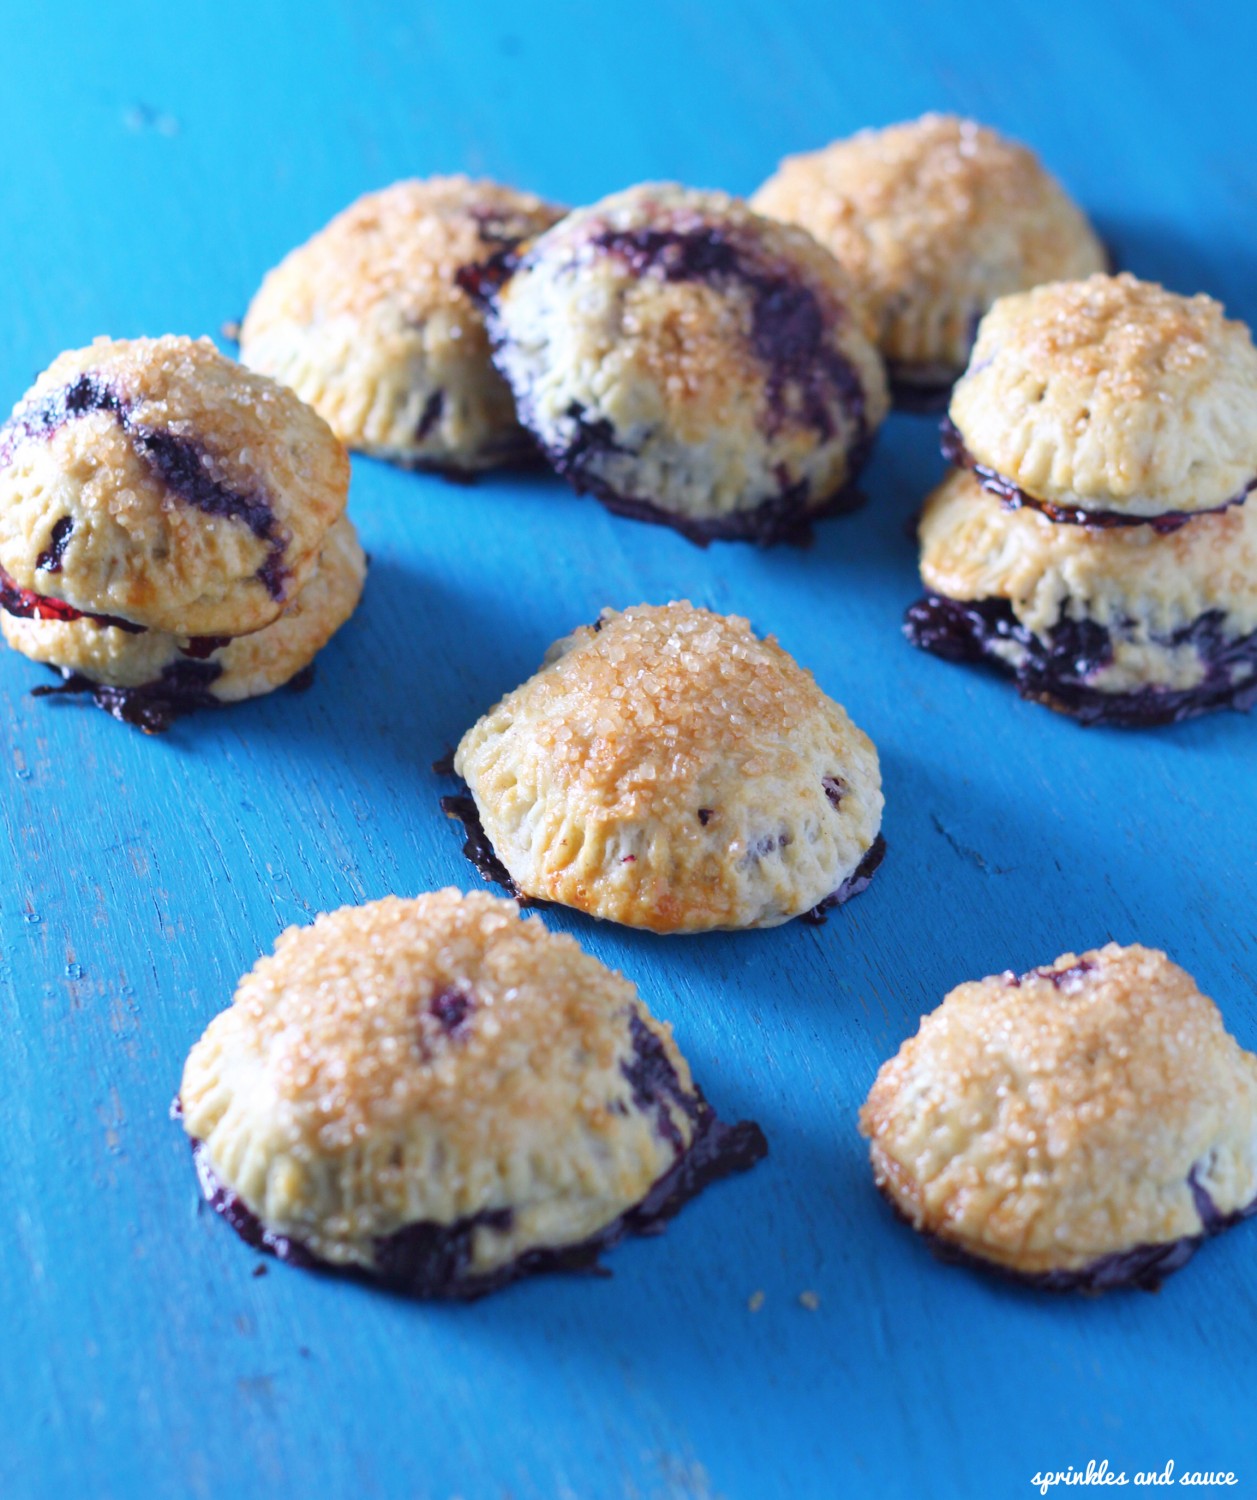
181	464
1013	497
183	687
788	323
1058	669
432	1260
452	1011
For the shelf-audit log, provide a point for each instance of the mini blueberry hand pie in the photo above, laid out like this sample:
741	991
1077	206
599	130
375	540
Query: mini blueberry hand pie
668	769
1082	1127
933	220
171	528
689	362
367	322
441	1096
1093	539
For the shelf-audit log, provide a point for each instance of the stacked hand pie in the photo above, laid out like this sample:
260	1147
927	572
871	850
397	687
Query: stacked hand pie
1093	537
172	529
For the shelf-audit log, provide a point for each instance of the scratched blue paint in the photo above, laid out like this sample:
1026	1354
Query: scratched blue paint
157	160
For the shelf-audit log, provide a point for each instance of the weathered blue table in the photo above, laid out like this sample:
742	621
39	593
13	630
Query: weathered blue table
156	162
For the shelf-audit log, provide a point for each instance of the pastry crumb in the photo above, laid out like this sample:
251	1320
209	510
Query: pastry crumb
810	1300
755	1301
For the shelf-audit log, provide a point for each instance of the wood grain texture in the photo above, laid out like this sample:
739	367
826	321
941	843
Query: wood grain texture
157	161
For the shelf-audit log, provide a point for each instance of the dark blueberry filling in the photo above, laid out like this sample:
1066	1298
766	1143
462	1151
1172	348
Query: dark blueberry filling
201	646
655	1084
477	847
1142	1266
183	687
49	560
858	881
484	279
432	1260
784	518
433	408
177	461
1012	497
481	853
452	1008
1057	976
27	605
835	789
1057	669
705	815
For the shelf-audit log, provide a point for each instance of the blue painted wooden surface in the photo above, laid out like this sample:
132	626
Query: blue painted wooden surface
156	161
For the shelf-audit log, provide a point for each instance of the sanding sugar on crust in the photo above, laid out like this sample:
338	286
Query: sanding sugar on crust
442	1096
1114	397
933	220
1082	1126
690	362
368	323
157	481
668	769
144	676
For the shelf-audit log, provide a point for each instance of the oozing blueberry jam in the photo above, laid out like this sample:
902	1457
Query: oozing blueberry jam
835	789
1142	1266
433	1260
182	687
858	881
477	847
1057	670
49	560
27	605
178	462
480	851
784	518
1013	497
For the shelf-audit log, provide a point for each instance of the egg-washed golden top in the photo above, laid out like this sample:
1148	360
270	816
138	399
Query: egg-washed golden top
1113	394
677	346
1045	1120
933	219
669	769
972	547
427	1060
392	258
138	549
368	323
